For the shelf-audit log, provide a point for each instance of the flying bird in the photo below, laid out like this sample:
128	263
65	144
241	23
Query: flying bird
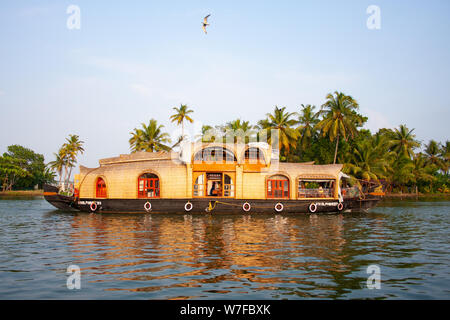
205	23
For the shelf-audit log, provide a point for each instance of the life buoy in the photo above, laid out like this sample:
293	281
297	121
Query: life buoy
246	207
340	206
279	207
312	207
148	206
188	206
93	207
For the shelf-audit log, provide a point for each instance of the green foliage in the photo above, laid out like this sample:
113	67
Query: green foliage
340	119
308	120
149	138
22	168
237	131
65	160
388	156
182	113
403	141
282	122
369	160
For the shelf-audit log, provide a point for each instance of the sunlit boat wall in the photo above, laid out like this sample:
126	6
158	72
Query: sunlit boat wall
237	178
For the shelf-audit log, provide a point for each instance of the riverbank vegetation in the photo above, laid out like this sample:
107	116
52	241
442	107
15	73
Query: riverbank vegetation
333	133
66	159
23	169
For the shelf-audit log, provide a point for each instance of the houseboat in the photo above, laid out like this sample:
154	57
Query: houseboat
211	178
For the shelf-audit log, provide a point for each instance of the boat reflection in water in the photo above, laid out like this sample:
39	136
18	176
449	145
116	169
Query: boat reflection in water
226	257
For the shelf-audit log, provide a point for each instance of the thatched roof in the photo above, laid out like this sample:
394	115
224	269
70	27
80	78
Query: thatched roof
140	156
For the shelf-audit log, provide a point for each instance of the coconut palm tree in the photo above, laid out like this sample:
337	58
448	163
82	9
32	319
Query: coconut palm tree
402	171
421	171
149	138
59	163
433	155
340	119
369	160
445	154
72	147
181	115
403	141
208	134
241	131
281	121
307	119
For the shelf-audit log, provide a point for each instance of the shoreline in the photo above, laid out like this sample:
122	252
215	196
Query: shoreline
18	193
415	196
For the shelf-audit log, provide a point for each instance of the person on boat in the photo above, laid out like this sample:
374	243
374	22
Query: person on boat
321	194
214	191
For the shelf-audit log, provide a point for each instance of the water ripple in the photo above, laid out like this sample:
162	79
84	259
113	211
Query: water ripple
225	257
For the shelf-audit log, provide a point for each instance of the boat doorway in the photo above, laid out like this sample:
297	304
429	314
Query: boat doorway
214	184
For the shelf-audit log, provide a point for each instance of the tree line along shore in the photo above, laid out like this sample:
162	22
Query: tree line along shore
331	133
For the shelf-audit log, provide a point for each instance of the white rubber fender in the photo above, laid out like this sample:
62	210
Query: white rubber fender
188	206
312	207
148	206
246	207
93	207
279	207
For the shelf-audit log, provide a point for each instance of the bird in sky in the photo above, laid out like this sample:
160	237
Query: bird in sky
205	23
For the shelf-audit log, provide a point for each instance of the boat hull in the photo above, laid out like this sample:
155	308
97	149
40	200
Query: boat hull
57	200
209	205
225	206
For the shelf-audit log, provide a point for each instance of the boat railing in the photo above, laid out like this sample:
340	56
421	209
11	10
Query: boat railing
315	193
350	192
65	188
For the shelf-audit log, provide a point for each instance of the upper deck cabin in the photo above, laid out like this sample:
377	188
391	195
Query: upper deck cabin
236	171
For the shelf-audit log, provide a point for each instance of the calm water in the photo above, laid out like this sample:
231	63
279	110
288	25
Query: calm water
225	257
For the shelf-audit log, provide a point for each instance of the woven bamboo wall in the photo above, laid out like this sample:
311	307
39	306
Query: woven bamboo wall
253	185
122	178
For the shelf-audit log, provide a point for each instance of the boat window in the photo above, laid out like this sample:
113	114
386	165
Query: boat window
278	187
315	188
254	155
228	186
100	191
148	186
214	154
199	186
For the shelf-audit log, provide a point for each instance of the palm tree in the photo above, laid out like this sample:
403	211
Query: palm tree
433	152
240	131
421	171
72	147
445	154
59	163
340	118
49	175
282	122
307	119
402	171
208	134
149	138
403	142
369	160
181	115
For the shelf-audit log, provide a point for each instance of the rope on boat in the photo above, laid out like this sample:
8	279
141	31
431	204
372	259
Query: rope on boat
211	207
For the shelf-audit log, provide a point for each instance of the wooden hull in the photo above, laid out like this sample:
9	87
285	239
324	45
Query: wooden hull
208	205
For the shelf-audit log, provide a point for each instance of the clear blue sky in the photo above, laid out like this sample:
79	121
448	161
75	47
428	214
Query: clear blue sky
136	60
